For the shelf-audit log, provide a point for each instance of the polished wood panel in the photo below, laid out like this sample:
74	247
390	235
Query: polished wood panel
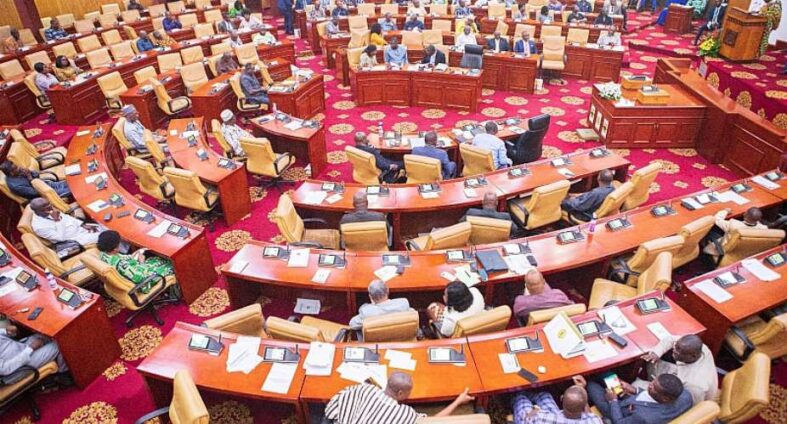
305	101
741	33
678	19
9	15
307	144
593	64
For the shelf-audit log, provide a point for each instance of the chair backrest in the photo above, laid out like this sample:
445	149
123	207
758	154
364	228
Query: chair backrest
158	24
369	236
422	169
530	29
110	8
107	20
486	230
7	191
281	329
554	47
66	49
693	233
150	182
393	327
188	20
578	35
11	69
544	204
194	76
550	31
476	160
50	194
704	412
502	28
365	9
389	8
88	43
30	83
321	28
143	75
413	39
642	180
213	15
176	6
43	255
438	9
130	16
84	26
187	406
472	58
488	321
219	48
46	22
432	36
529	145
358	22
497	10
66	20
189	190
170	61
25	224
98	58
544	315
216	129
359	37
287	220
614	200
745	392
260	156
157	10
27	37
120	135
213	62
247	53
658	276
115	284
121	50
456	419
647	252
192	54
91	16
354	56
442	25
21	157
364	166
248	321
451	237
203	30
41	56
741	243
112	85
202	4
110	37
155	150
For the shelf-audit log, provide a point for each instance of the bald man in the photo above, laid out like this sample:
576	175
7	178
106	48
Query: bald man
540	407
49	224
367	404
361	212
692	362
488	209
537	296
751	219
583	206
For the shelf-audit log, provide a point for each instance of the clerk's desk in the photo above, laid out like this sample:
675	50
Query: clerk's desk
307	144
412	214
190	257
231	184
481	373
749	298
581	261
84	335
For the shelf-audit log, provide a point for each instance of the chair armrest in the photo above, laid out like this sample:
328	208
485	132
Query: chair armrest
288	156
310	244
50	156
206	196
748	345
137	288
72	271
315	220
68	247
622	272
21	371
343	335
54	176
149	416
524	210
719	250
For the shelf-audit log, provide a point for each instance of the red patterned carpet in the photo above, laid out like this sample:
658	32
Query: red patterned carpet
120	395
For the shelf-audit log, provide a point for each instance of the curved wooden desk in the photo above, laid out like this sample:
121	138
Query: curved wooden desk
190	257
307	144
84	335
231	184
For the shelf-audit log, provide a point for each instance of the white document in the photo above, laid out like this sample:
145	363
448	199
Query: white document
599	350
470	192
279	378
321	276
294	125
299	258
465	275
315	197
13	273
518	264
659	330
566	173
334	198
403	364
614	317
693	203
764	182
353	371
397	355
509	363
430	195
712	290
307	306
386	273
160	229
238	266
8	288
731	196
83	132
72	169
187	134
760	271
90	179
563	336
98	205
242	356
319	360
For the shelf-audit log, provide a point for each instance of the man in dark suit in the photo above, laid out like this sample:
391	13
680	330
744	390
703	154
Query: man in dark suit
664	400
390	168
583	206
413	24
603	18
525	45
361	212
488	209
432	56
431	150
715	18
497	43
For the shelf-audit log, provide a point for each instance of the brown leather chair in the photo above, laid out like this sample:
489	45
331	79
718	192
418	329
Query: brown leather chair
166	103
52	157
66	49
168	62
628	269
577	36
110	9
26	387
358	22
421	169
123	50
451	237
19	155
213	15
545	315
541	208
658	276
484	230
40	56
248	321
497	11
157	154
188	20
112	86
704	412
610	206
745	392
292	227
364	166
247	53
755	332
149	181
176	6
143	75
110	38
70	269
740	243
554	51
692	233
488	321
369	236
42	101
48	193
118	131
393	327
25	224
456	419
476	160
186	407
130	16
310	329
11	69
192	55
193	76
641	180
244	105
262	161
191	193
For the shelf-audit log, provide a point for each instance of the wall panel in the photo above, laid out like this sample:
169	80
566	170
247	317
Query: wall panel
8	14
77	7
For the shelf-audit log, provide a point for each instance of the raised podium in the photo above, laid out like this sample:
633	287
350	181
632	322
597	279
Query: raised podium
741	35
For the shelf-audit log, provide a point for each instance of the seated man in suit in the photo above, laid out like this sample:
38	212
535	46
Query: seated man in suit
254	91
577	16
540	407
340	10
664	400
361	212
388	23
390	168
19	181
691	361
50	224
537	296
381	304
715	18
395	54
583	206
413	24
497	43
55	31
144	43
603	18
33	351
584	6
431	150
226	26
525	45
490	141
432	56
488	209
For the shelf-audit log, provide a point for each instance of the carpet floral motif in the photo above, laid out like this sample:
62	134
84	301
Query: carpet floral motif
493	112
433	113
654	188
551	152
405	127
569	137
230	412
94	413
231	241
373	115
113	308
744	99
781	121
515	100
743	75
337	157
24	420
713	79
139	342
215	300
667	167
32	132
341	129
686	153
572	100
776	94
553	111
115	370
295	173
713	181
257	193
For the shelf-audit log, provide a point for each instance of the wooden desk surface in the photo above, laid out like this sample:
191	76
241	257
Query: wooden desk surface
186	157
277	127
678	97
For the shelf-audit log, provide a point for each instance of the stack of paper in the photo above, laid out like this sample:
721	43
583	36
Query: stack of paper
98	205
760	271
187	134
160	229
319	361
90	179
770	185
307	306
72	169
563	336
401	360
566	172
386	273
713	291
693	203
614	317
731	196
242	355
659	331
315	197
518	264
359	373
509	363
279	378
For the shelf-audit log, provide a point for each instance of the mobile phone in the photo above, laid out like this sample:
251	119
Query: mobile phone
527	375
613	383
36	312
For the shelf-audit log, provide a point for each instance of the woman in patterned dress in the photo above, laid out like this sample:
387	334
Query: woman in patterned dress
772	11
134	267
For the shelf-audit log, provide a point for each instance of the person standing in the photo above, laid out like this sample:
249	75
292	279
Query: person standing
285	8
772	11
715	18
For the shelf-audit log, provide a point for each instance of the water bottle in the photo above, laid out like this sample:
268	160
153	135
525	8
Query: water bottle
275	109
50	279
380	130
592	226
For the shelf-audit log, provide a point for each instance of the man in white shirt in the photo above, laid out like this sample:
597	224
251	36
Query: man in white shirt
232	132
49	224
381	304
263	37
466	38
234	40
693	365
416	9
248	21
609	38
135	131
752	219
33	351
490	141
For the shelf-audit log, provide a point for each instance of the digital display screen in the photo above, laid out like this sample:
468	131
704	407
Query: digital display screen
776	259
66	295
270	251
199	341
439	354
140	214
456	255
615	224
274	353
648	304
586	328
518	344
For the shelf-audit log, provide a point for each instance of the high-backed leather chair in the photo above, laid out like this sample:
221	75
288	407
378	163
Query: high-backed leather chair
176	6
70	269
131	34
628	269
740	243
130	16
192	55
26	37
186	407
110	37
190	193
472	57
392	327
40	56
261	160
247	53
19	155
413	39
204	30
359	37
89	43
110	9
456	419
554	51
578	35
219	48
168	62
243	103
366	236
293	228
308	330
26	387
476	160
213	15
157	10
120	135
166	103
366	9
107	20
143	75
149	181
389	8
484	230
21	201
66	20
756	333
544	315
442	25
358	22
550	31
541	208
188	20
745	392
229	152
127	293
658	276
529	29
704	412
57	202
248	321
422	169
497	10
25	224
122	50
193	76
66	49
527	148
11	69
112	86
488	321
42	101
451	237
692	233
438	9
157	154
84	26
433	37
611	204
98	58
364	166
642	180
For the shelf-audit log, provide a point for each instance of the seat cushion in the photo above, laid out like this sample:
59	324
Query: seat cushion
180	104
605	290
774	348
554	65
329	329
328	239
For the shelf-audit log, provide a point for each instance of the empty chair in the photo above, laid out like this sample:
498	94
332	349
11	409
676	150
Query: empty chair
486	230
692	233
243	103
42	100
186	407
764	333
204	30
628	269
611	204
118	131
202	4
413	39
122	50
422	169
88	43
192	55
193	76
169	62
166	103
52	157
529	29
188	20
98	58
359	37
310	329
110	37
92	16
176	6
472	58
292	227
112	86
364	166
488	321
149	181
497	10
658	276
157	155
66	20
107	20
476	160
369	236
33	58
358	22
451	237
577	35
66	49
553	54
84	26
389	8
69	269
432	36
19	155
110	8
438	9
247	53
248	321
550	31
745	391
143	75
262	161
442	25
529	145
391	327
366	9
191	194
11	69
157	10
130	16
544	315
213	15
541	208
27	38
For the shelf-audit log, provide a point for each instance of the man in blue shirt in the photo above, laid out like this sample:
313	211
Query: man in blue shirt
285	8
462	11
388	24
251	86
584	6
396	54
340	10
170	22
413	24
431	150
54	32
19	181
494	144
143	43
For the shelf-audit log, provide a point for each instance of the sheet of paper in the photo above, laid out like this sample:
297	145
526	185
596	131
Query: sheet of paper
760	271
160	229
319	360
465	275
299	258
599	350
403	364
693	203
712	290
566	173
352	371
307	306
98	205
72	169
13	272
187	134
731	196
90	179
397	355
562	336
321	276
8	288
315	197
659	330
470	192
430	195
764	182
294	125
333	198
386	273
238	266
614	317
509	363
279	378
518	264
82	133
